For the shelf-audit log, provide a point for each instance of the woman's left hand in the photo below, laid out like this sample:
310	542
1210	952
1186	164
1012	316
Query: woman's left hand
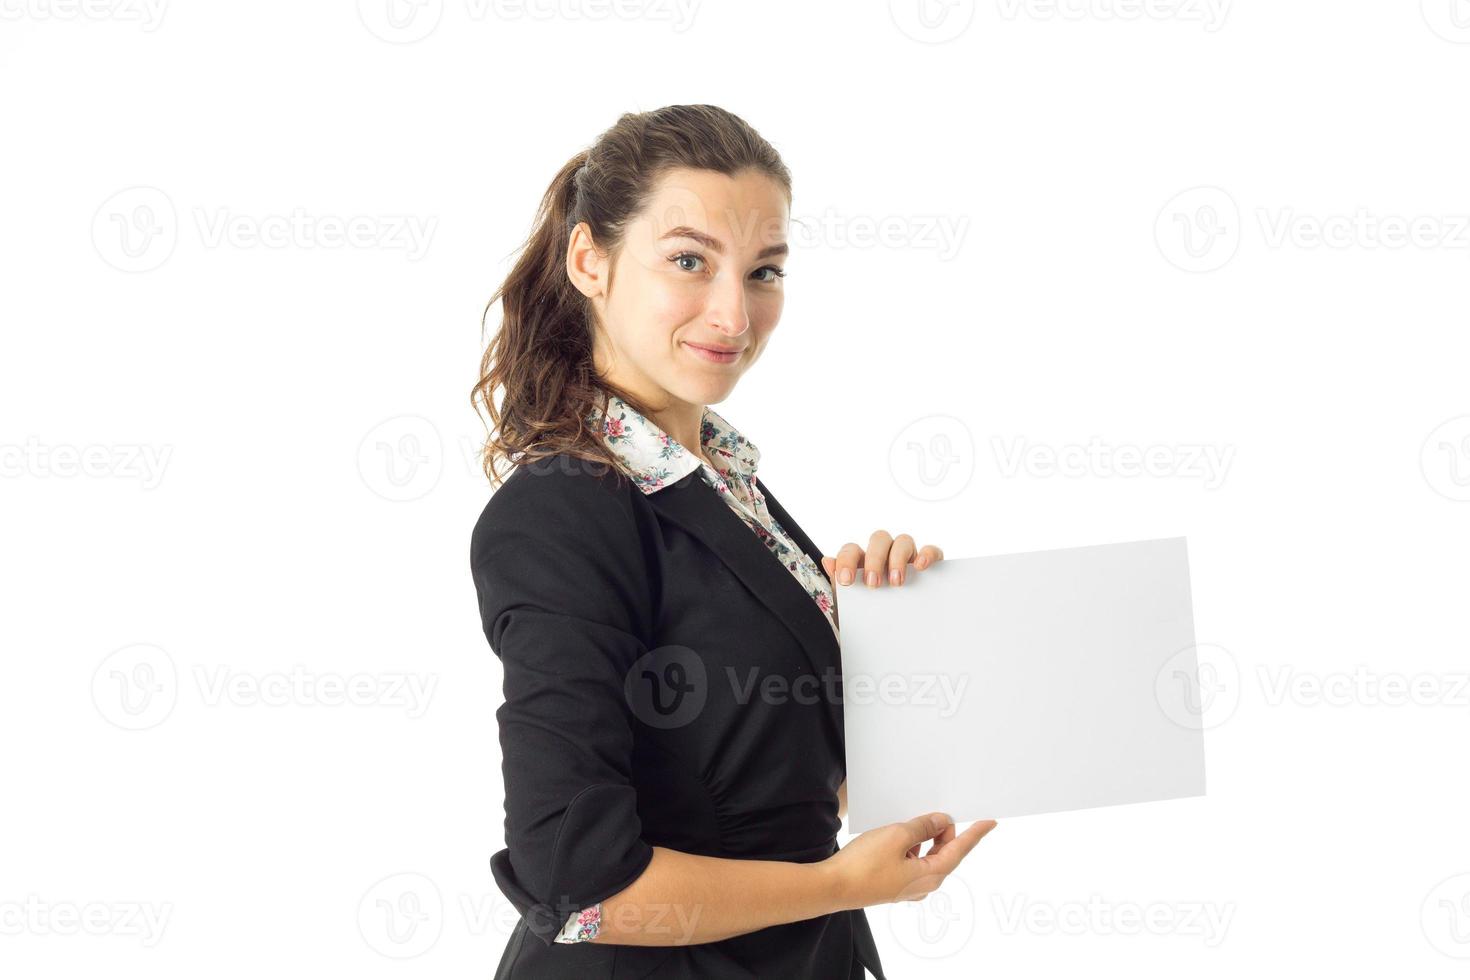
886	557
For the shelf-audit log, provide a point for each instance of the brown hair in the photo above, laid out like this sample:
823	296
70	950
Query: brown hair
542	354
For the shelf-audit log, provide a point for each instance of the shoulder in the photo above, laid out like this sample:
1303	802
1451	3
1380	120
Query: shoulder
561	497
562	536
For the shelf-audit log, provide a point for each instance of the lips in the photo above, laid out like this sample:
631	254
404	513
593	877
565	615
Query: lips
718	355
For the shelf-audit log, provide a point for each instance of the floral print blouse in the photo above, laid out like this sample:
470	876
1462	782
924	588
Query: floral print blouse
654	460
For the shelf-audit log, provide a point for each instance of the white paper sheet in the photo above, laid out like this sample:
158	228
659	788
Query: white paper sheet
1020	684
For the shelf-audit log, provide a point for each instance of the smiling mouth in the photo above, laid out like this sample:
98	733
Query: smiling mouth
713	354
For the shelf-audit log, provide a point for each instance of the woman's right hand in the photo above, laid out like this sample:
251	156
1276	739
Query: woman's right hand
884	865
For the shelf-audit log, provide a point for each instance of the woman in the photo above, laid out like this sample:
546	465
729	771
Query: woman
671	735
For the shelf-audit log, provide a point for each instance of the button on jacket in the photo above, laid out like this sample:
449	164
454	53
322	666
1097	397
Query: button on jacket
672	677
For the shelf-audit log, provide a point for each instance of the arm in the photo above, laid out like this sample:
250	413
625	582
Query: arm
559	573
684	899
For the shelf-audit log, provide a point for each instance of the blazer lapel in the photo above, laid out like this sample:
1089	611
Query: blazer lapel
697	508
792	528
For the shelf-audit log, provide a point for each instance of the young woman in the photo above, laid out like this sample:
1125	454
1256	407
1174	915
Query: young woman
671	734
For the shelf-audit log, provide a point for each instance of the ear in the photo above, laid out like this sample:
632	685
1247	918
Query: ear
587	267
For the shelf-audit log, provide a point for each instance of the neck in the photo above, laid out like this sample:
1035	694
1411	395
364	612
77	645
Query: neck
682	422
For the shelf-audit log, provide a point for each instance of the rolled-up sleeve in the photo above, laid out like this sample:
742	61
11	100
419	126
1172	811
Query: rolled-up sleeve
564	599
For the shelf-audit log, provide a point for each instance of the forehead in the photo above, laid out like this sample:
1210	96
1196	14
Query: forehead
747	211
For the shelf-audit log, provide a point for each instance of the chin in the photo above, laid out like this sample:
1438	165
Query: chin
698	391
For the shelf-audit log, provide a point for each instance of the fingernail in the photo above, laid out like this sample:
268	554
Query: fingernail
895	577
872	580
846	577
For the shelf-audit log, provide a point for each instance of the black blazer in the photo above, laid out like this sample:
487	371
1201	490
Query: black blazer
667	682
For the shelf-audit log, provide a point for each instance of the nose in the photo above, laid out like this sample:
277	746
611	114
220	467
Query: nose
726	311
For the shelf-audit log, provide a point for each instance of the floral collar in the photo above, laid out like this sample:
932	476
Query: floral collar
656	459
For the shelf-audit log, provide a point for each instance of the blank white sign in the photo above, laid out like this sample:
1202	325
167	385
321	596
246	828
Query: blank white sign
1024	683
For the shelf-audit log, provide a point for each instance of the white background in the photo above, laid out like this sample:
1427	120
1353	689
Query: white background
1138	189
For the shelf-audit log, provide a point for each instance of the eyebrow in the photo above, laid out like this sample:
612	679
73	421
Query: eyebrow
717	246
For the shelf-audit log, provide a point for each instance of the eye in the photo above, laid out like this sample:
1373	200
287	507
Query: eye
776	271
690	256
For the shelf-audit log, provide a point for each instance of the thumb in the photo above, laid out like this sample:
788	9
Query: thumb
922	828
